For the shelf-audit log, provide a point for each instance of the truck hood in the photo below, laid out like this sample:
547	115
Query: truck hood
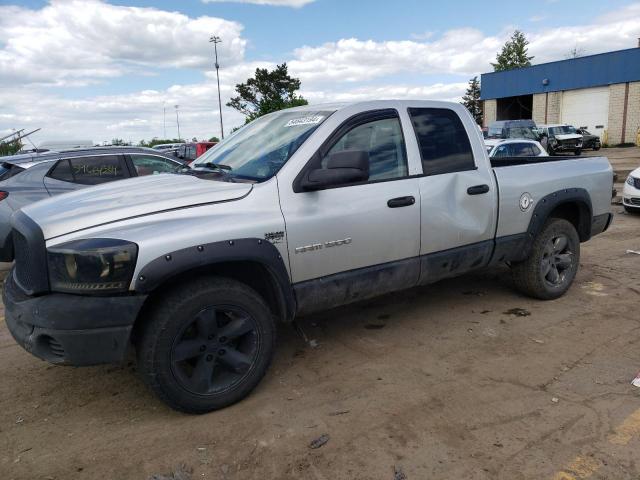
110	202
569	136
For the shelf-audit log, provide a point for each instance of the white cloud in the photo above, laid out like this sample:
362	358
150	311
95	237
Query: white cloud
275	3
75	42
63	43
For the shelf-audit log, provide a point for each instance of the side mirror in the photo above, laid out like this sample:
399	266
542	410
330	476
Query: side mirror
350	166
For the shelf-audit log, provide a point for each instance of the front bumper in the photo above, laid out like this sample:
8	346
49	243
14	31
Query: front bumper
561	147
71	329
630	196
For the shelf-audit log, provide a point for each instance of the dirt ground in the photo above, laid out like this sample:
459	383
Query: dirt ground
462	379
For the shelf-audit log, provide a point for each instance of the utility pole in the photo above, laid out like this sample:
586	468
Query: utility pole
216	40
164	119
178	121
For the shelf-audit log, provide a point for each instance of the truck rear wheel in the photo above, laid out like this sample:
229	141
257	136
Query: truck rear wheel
553	263
206	345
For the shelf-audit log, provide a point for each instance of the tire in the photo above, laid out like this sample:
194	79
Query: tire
535	276
578	152
596	147
206	345
550	151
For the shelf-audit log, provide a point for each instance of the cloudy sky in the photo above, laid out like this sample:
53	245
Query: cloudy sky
91	69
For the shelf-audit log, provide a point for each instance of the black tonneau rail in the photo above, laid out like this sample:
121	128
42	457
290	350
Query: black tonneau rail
511	161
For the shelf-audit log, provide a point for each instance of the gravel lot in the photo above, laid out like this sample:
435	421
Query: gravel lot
463	379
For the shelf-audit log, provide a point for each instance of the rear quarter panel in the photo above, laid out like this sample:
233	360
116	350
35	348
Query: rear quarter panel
594	174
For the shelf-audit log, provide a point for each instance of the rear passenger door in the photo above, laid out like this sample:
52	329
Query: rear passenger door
73	173
457	194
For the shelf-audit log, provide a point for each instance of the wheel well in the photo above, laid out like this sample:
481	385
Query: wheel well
253	274
578	214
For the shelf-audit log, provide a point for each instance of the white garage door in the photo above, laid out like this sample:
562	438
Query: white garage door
587	108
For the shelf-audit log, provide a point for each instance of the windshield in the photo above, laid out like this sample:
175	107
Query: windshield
259	149
513	132
563	130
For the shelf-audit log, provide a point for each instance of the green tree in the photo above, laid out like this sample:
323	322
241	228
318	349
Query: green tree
514	53
158	141
214	139
9	148
268	91
471	100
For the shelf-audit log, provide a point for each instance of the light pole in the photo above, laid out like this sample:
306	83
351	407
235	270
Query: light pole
216	40
178	121
164	119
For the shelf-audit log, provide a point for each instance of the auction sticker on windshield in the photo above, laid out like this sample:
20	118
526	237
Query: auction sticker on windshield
310	120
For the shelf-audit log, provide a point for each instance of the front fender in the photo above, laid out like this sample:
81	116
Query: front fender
172	264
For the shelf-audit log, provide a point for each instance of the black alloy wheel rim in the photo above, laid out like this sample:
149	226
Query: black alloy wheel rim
216	350
557	260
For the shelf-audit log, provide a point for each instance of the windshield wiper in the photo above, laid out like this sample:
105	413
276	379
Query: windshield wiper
216	166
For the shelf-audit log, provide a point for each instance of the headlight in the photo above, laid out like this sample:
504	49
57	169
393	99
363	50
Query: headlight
97	265
553	141
630	181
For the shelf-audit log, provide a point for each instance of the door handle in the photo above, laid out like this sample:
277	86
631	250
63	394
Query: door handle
401	202
478	189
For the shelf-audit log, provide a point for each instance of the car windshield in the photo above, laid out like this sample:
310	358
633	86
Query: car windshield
521	132
512	132
562	130
260	149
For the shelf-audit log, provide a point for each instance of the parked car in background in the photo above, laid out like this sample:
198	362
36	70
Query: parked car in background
560	139
190	151
167	147
505	129
589	140
515	148
28	178
304	210
631	192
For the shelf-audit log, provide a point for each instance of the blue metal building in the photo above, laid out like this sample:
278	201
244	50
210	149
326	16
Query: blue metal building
599	92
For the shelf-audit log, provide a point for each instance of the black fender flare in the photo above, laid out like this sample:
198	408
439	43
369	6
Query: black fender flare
576	196
161	269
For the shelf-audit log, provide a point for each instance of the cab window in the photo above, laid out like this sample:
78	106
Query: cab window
382	139
443	141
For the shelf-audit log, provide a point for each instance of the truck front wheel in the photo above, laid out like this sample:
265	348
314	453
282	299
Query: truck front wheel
553	263
206	345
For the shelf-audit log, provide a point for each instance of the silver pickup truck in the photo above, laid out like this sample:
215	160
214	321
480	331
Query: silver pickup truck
302	210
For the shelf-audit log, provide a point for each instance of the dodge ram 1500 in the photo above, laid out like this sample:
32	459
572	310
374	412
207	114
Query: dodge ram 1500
299	211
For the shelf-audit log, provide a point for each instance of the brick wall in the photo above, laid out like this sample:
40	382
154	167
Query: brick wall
616	107
490	111
553	107
633	113
538	107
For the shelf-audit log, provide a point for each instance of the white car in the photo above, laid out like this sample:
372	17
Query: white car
517	147
559	139
631	192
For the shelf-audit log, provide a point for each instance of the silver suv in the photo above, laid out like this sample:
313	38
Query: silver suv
28	178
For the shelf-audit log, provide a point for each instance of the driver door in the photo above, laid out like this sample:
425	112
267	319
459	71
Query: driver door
358	240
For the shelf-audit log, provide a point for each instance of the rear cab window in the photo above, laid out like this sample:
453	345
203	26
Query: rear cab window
92	170
443	141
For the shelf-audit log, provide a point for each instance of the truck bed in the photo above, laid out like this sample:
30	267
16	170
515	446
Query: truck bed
541	176
511	161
